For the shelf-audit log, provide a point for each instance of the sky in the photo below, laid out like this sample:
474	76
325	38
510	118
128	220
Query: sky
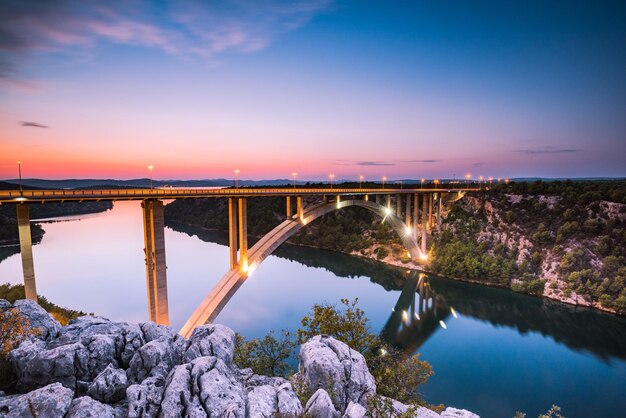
414	89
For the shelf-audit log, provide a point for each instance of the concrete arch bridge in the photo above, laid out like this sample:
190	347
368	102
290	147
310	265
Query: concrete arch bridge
422	212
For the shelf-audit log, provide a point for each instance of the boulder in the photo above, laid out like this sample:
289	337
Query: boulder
109	386
457	413
85	407
320	406
35	366
331	365
153	359
211	340
354	410
4	305
287	401
48	326
50	401
144	399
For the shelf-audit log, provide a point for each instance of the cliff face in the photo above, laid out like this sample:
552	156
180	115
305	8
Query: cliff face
96	367
552	246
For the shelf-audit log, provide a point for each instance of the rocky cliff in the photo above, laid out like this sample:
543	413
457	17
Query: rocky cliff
94	367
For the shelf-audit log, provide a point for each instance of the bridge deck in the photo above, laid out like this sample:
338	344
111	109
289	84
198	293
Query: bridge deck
36	196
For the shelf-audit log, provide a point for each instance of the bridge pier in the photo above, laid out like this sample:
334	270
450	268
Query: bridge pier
407	215
289	211
300	208
26	251
430	210
233	231
156	276
389	201
439	204
415	214
399	206
424	221
243	234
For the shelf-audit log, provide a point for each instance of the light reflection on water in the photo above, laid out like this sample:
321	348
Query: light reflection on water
503	352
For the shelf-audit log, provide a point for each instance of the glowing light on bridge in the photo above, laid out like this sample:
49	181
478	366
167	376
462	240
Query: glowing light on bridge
443	325
150	167
387	211
236	178
384	180
417	316
453	312
294	175
424	257
405	316
407	230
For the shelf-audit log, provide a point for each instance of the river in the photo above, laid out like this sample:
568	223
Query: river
493	352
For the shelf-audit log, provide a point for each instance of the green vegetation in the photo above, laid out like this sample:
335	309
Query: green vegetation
510	235
63	315
397	375
14	328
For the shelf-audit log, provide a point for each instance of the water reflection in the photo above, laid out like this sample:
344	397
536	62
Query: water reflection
581	329
418	313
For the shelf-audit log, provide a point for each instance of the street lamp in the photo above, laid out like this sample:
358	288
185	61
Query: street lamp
422	183
360	182
480	182
19	169
384	180
150	167
236	178
468	176
294	175
331	177
436	181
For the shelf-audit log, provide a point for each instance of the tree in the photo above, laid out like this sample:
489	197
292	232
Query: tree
267	356
349	325
397	375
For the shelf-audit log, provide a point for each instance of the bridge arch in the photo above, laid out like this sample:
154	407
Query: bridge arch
225	289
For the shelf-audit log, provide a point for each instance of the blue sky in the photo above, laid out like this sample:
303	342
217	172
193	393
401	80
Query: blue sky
400	89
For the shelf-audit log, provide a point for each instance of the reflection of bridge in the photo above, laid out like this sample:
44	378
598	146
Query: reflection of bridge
418	219
418	313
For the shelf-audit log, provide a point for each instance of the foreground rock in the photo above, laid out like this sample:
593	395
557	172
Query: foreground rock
97	368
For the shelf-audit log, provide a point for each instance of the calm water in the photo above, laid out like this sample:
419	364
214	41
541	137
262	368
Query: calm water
499	352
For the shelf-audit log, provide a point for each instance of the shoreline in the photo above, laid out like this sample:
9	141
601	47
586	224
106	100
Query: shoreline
389	261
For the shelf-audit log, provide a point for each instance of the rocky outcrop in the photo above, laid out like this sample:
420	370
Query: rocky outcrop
332	365
98	368
50	401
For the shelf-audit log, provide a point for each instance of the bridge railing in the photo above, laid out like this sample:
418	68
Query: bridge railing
112	194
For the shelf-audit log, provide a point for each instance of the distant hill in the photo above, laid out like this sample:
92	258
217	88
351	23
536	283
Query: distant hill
144	182
12	184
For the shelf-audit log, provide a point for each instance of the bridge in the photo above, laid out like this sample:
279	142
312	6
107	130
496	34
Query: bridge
411	212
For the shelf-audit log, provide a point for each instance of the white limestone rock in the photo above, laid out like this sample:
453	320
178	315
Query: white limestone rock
320	406
48	326
211	340
275	398
354	410
85	407
50	401
109	386
204	387
329	364
35	366
457	413
153	359
144	399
